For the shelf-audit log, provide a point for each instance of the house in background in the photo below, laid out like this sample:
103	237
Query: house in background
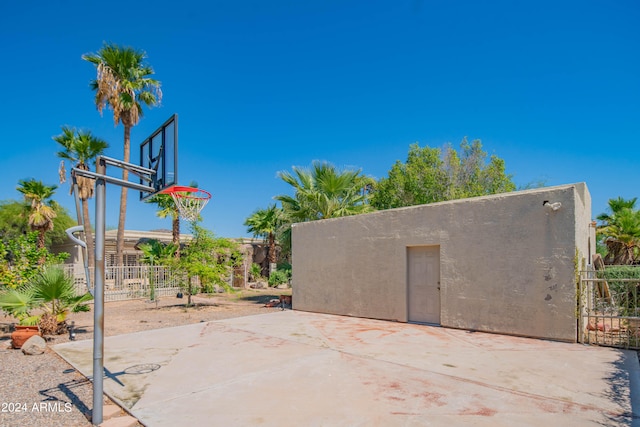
505	263
132	238
254	251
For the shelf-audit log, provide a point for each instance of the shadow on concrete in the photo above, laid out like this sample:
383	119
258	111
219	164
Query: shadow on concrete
623	384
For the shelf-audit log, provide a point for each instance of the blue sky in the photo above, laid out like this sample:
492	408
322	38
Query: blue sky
260	86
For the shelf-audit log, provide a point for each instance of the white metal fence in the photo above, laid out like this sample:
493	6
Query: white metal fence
133	282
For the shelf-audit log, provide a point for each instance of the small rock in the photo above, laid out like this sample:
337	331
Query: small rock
34	345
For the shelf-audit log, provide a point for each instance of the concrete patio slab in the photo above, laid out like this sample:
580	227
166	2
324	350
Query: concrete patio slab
295	368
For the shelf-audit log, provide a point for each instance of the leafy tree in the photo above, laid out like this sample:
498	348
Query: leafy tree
421	179
20	259
42	207
620	232
124	84
430	175
470	175
82	148
538	183
210	258
265	223
14	222
13	219
61	222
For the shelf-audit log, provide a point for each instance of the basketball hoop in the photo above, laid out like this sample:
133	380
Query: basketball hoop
189	200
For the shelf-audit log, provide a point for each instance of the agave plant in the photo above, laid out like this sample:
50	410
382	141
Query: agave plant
49	295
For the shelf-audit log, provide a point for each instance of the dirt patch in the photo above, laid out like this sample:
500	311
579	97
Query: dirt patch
122	317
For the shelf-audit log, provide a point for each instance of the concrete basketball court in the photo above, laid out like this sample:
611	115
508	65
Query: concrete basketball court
294	368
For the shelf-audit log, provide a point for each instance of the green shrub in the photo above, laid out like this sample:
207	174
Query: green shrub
284	265
255	271
278	277
625	293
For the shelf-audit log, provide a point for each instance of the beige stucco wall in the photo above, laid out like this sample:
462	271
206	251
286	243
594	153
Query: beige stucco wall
507	263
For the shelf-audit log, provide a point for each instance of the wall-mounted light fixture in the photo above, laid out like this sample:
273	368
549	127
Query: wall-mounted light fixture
552	206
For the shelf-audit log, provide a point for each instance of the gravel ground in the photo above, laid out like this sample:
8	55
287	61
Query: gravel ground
45	391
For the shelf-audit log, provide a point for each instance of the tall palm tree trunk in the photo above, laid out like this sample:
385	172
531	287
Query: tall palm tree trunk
123	197
88	234
272	253
41	245
41	240
175	233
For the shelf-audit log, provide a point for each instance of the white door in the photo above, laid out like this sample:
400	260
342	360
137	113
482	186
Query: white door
423	265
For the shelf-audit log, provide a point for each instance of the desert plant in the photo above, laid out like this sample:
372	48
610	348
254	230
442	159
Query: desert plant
49	294
255	271
20	260
278	277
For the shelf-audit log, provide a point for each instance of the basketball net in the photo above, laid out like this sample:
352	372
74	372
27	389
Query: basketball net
189	201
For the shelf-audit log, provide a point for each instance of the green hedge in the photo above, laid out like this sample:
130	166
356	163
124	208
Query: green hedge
626	295
619	272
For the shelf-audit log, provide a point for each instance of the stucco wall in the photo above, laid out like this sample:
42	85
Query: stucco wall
506	261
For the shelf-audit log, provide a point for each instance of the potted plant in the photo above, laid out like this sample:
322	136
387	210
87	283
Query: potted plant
18	304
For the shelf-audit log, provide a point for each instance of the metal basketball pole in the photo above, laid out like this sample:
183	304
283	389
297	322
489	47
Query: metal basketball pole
98	306
102	178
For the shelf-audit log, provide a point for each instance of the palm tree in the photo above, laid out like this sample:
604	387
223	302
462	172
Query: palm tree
51	293
123	83
324	192
266	223
42	208
616	206
620	231
82	148
167	208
